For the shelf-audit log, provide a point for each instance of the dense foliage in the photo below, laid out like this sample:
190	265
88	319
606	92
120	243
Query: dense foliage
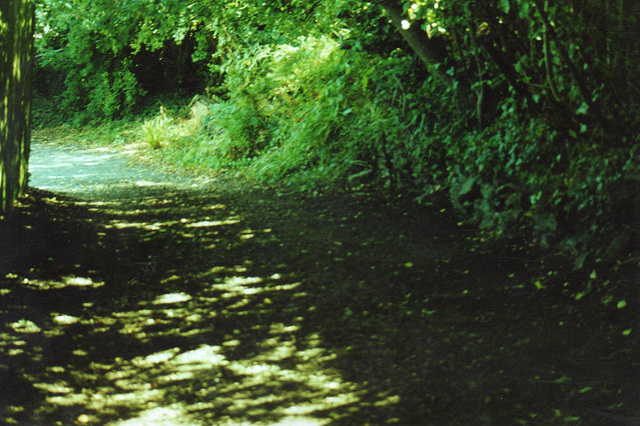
525	113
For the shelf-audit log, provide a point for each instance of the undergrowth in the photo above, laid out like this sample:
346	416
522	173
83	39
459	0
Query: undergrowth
308	115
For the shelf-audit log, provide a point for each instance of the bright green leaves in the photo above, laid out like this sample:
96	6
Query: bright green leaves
580	295
584	107
563	379
504	5
285	106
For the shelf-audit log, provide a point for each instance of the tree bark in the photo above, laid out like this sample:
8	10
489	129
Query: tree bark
428	50
16	42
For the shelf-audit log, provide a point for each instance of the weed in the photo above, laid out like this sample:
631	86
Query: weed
157	131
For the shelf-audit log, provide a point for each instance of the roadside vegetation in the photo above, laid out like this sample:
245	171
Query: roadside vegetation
520	113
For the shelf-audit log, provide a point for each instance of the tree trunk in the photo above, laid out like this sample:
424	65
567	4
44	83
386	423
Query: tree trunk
16	41
428	50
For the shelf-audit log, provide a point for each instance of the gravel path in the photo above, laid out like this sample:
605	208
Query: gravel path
99	172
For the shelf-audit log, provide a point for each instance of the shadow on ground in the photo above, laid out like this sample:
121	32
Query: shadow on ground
233	305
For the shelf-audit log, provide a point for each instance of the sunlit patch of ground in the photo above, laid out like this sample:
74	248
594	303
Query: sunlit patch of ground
210	386
285	379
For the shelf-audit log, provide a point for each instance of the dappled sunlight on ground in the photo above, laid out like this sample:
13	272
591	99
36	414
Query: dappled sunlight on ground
167	338
280	383
282	379
63	282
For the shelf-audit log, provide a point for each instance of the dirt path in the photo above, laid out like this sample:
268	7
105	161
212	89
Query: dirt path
138	295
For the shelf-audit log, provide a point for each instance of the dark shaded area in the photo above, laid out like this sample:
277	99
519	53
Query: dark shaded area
165	72
233	303
171	69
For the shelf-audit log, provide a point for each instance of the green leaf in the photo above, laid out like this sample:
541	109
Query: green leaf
622	304
563	379
583	109
607	299
504	5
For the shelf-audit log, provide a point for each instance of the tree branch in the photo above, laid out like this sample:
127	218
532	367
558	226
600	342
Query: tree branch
428	50
564	54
